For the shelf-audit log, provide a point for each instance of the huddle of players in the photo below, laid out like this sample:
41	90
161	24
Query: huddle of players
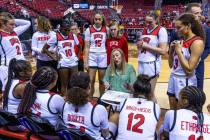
23	93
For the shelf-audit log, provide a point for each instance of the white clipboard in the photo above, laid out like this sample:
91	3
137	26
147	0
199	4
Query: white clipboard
114	97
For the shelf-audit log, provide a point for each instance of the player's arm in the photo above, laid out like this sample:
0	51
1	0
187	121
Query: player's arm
22	26
125	48
167	124
50	43
196	49
171	56
87	48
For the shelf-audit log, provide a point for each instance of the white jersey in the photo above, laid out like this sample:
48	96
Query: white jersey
48	105
65	48
13	102
97	39
3	76
186	125
153	38
39	39
82	118
138	119
10	46
177	68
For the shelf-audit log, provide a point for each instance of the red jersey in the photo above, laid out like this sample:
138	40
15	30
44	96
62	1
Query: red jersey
112	43
81	42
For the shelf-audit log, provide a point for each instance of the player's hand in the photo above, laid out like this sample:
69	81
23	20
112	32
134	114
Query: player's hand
177	45
45	48
140	44
54	56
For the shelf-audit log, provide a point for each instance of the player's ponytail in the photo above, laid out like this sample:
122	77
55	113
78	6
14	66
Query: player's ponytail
9	82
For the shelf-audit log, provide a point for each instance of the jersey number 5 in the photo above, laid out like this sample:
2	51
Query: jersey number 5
135	127
98	43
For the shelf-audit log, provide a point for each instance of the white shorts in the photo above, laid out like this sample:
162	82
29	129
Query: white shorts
64	64
151	69
176	83
3	76
97	60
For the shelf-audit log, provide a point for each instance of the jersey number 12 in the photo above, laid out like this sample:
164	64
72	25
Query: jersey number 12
135	127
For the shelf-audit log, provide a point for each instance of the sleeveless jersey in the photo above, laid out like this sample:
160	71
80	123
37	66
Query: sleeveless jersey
177	68
10	47
97	40
186	127
66	49
138	119
13	102
151	39
82	119
42	108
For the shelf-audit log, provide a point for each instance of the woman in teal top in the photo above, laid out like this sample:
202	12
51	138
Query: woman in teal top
119	75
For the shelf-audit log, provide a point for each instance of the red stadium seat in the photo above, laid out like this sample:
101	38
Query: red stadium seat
17	135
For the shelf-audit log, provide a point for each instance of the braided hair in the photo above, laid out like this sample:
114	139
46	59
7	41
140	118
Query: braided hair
196	99
41	79
14	70
142	86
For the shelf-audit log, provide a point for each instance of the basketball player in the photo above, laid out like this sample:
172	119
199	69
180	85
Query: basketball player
64	41
9	41
20	72
79	113
188	122
39	39
152	44
95	51
75	30
37	98
10	46
184	56
138	116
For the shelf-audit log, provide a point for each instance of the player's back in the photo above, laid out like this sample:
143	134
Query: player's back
186	126
138	119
